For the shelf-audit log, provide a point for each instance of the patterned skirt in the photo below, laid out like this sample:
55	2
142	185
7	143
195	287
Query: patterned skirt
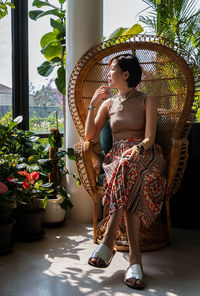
137	185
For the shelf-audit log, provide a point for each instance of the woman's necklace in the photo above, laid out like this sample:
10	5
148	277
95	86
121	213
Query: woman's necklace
120	106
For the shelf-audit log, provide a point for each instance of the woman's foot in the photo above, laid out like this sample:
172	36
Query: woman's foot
102	256
134	277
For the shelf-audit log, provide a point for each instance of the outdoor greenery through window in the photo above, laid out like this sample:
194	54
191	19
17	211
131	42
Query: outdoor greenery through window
5	67
44	98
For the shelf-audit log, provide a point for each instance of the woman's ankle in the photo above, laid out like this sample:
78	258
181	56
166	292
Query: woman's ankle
135	260
109	243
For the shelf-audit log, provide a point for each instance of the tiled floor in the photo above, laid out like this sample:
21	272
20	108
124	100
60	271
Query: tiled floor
57	266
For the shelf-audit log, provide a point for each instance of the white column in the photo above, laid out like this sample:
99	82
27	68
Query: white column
84	29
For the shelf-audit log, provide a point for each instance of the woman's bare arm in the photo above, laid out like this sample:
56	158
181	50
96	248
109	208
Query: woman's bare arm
151	123
94	124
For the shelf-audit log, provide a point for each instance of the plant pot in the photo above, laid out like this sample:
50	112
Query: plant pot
54	215
6	231
29	226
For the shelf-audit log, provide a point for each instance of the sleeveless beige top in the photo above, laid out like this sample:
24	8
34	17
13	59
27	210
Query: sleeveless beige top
130	122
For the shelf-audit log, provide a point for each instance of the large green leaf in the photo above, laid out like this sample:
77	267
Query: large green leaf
118	32
53	50
134	30
10	4
60	81
47	38
36	14
33	14
39	3
62	1
54	43
3	13
45	69
57	25
56	60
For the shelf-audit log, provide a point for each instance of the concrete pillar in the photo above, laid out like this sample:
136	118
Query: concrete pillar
84	29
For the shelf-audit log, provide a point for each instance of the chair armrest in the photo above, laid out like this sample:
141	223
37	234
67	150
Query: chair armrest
88	156
85	160
177	164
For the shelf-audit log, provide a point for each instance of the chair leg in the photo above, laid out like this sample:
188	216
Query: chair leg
95	209
168	219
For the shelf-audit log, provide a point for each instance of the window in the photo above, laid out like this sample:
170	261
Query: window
5	66
44	98
33	96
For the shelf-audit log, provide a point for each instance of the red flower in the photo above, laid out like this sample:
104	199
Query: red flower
10	180
23	173
25	185
3	188
33	176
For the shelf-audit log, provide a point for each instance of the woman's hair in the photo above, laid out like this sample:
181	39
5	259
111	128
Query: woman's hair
130	63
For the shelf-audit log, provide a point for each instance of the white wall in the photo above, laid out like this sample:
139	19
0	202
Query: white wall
84	29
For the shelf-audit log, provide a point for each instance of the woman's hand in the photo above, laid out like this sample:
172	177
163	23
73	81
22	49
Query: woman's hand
102	92
133	152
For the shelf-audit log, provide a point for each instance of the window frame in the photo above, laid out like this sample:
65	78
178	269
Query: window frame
20	62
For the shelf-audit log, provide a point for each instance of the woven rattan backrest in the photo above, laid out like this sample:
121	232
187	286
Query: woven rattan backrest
166	75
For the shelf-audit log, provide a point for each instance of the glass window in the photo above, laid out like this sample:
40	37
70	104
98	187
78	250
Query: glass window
44	98
5	66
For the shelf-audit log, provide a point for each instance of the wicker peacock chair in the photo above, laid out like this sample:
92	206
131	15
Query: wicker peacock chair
168	74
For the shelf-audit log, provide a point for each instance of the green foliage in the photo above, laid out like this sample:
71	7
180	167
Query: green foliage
4	7
52	43
55	139
46	96
44	124
21	155
176	20
30	187
119	32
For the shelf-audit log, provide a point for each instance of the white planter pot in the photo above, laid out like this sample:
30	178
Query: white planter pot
53	211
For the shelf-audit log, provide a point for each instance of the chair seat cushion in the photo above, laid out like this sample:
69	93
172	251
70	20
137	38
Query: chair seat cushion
101	179
106	144
105	140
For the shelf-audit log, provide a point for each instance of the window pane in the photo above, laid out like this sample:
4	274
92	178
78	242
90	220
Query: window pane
44	98
5	66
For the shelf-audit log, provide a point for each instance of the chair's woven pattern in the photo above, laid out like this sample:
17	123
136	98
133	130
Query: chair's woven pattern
181	165
78	149
168	75
150	239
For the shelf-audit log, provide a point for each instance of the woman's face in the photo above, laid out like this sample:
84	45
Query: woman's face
115	75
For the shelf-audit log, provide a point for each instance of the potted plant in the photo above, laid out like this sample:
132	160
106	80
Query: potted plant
7	201
29	216
59	201
6	221
33	157
20	151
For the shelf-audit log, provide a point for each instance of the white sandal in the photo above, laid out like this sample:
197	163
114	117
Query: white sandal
104	253
134	271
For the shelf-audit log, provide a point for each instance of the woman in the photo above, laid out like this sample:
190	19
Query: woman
134	168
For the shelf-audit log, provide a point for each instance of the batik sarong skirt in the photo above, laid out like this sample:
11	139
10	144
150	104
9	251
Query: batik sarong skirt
137	185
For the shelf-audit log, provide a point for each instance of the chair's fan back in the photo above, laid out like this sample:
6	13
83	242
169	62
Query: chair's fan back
166	76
